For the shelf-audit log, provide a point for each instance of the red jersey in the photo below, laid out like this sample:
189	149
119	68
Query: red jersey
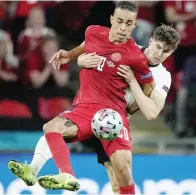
103	85
28	42
35	62
186	29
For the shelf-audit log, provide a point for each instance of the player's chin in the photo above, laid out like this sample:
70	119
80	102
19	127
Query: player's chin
121	39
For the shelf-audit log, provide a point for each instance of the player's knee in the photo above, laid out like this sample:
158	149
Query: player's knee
48	127
55	125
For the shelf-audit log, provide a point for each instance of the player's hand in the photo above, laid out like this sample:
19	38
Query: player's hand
90	60
59	58
126	72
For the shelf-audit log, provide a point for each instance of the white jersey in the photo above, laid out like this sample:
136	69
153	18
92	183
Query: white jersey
162	80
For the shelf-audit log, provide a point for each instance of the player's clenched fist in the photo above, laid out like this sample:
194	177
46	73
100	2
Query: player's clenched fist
90	60
59	58
126	72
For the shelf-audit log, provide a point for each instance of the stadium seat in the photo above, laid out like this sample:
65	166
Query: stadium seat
48	108
14	109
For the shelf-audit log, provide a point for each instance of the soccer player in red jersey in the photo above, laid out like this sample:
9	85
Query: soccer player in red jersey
164	41
100	88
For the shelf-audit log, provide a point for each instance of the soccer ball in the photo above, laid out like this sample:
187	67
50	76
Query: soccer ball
107	124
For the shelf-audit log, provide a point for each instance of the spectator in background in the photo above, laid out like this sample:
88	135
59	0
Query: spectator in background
19	13
183	15
30	39
38	73
145	22
10	58
185	112
7	72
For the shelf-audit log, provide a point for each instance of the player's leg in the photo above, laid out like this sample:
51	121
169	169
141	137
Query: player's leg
29	172
112	177
103	159
119	152
42	153
121	161
55	131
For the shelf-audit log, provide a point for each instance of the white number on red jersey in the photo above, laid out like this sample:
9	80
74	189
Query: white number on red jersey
101	65
124	134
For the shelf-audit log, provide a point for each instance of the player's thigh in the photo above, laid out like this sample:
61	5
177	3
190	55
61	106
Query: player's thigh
112	177
81	116
61	125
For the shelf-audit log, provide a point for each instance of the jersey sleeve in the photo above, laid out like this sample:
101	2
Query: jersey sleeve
163	84
92	30
141	70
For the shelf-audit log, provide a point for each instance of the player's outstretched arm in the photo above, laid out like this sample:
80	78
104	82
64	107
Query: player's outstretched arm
63	57
150	106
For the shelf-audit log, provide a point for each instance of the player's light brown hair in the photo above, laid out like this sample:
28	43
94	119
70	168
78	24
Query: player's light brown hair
128	5
167	34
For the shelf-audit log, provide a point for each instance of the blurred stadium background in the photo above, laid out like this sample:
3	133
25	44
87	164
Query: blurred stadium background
31	31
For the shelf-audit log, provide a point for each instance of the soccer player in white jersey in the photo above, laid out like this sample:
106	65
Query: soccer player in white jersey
163	43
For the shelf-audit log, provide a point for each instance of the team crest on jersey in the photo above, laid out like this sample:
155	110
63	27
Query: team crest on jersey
165	88
116	57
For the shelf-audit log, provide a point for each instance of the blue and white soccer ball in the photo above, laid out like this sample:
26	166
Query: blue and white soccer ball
107	124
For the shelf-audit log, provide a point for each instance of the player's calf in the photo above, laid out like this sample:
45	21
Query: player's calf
112	177
61	125
121	163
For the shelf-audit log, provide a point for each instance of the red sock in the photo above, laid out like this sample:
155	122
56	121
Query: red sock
128	189
60	151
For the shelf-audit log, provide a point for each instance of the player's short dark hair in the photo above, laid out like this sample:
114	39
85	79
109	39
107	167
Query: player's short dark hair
167	34
128	5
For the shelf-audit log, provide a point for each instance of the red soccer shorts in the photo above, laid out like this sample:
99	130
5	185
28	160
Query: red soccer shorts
82	115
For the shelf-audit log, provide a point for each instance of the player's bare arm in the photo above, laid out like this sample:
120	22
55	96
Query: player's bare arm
147	90
62	56
150	106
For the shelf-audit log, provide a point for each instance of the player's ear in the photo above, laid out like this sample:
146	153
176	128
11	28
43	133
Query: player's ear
111	19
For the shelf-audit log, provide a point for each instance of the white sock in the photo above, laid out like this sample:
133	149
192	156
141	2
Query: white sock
41	155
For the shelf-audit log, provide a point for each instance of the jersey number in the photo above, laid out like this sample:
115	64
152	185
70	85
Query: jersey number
124	134
101	64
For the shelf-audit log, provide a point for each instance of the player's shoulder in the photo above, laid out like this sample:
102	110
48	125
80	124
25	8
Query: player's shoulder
26	33
96	29
139	58
165	71
162	74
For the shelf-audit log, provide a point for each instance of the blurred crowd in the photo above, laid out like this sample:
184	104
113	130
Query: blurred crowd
32	31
